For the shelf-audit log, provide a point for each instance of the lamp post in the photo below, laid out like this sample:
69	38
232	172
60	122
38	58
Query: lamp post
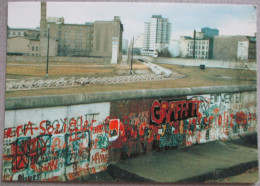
48	51
194	40
131	71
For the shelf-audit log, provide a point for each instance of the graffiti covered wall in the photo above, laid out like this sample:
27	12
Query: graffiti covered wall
156	124
55	144
68	142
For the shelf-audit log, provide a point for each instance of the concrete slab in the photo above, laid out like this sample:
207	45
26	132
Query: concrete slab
197	163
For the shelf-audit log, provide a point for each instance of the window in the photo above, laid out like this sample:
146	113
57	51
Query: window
202	53
36	48
65	33
32	48
19	33
202	47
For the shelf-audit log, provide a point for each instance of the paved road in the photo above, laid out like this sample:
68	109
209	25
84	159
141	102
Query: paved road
197	163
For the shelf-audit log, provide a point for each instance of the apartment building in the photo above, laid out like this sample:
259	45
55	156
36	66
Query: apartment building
199	45
157	31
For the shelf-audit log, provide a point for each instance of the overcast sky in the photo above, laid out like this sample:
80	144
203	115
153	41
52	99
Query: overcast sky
229	19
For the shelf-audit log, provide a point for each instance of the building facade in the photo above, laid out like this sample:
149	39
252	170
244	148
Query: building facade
108	38
234	48
199	45
23	41
90	39
210	33
157	31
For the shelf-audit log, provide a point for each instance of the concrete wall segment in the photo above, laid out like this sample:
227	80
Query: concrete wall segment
65	100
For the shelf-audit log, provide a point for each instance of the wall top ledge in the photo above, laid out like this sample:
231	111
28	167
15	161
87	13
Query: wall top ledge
17	103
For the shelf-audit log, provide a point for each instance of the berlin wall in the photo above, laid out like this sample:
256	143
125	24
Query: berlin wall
65	137
197	62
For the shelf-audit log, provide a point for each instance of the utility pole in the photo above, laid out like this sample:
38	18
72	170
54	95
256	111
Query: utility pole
48	51
194	39
131	71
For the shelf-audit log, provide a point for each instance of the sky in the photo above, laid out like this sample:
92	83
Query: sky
184	18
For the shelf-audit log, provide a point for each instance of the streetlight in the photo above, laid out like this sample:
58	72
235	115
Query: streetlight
131	71
48	51
194	40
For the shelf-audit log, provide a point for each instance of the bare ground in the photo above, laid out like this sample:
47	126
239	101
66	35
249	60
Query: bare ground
193	77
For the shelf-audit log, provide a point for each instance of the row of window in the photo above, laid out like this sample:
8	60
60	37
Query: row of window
199	53
36	48
77	47
75	27
200	47
77	34
66	40
16	33
199	42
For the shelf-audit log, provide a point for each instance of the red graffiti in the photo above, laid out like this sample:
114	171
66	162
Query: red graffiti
174	110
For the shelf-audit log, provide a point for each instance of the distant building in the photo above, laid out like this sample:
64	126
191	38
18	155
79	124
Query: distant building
107	33
234	48
201	46
210	33
23	41
252	47
24	32
138	44
157	31
98	39
125	46
139	41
